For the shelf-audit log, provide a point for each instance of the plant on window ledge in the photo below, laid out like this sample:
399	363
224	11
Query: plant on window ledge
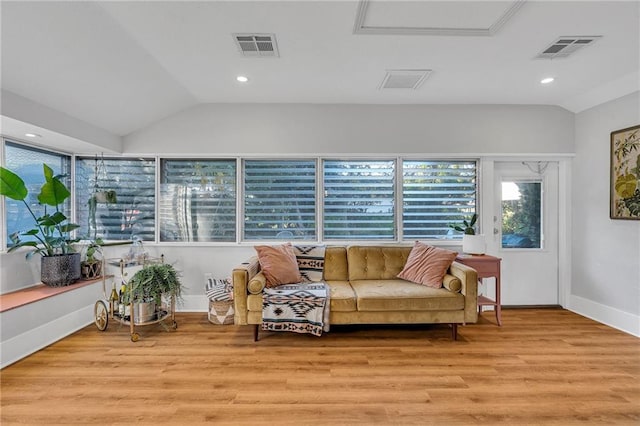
60	264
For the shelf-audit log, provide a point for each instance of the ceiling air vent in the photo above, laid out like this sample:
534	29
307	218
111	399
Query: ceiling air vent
404	79
566	45
258	45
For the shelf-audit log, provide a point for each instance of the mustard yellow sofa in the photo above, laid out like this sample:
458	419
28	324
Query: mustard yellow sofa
365	290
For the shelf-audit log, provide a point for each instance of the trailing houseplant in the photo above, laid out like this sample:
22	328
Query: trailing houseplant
471	243
60	265
151	282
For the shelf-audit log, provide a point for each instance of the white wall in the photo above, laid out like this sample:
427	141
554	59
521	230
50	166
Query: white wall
367	129
58	130
606	252
277	129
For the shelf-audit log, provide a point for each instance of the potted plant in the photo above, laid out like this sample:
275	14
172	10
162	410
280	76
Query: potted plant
91	266
60	265
99	195
146	288
471	243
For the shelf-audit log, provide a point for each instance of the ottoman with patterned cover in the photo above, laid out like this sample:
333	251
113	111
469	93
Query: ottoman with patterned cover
220	294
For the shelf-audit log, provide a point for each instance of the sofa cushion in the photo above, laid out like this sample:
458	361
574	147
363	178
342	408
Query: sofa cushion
342	298
398	295
279	264
376	263
452	283
335	264
427	265
257	283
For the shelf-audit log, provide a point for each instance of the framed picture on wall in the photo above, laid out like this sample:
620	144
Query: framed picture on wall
625	174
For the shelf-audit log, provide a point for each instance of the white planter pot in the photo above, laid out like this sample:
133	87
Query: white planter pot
473	244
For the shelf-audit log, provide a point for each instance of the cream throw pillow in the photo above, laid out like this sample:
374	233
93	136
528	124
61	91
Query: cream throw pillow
427	265
278	264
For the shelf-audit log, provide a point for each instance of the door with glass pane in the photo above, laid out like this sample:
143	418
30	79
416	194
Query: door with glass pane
525	233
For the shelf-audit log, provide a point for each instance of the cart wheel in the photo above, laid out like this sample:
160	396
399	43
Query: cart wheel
174	325
101	315
135	337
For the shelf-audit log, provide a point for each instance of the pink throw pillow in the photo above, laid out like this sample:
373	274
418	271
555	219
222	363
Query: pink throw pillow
427	265
279	264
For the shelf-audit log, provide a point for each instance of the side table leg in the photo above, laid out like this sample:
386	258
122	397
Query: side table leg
498	301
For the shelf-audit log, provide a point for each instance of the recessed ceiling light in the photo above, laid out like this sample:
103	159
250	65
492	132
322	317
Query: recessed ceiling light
32	135
547	80
242	79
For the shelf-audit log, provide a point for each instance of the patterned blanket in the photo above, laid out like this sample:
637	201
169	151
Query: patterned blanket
301	308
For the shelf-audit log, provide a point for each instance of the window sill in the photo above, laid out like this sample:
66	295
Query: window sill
38	292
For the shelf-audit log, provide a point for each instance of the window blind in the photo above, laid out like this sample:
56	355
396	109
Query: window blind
198	200
133	215
279	199
359	200
436	194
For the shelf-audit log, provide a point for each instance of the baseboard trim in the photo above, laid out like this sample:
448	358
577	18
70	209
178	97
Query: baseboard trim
31	341
621	320
193	304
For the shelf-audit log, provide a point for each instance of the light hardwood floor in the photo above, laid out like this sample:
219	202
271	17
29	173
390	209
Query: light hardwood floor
541	367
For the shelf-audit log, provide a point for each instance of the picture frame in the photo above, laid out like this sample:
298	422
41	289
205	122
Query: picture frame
625	174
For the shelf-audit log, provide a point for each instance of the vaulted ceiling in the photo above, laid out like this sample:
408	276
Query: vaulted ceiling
121	66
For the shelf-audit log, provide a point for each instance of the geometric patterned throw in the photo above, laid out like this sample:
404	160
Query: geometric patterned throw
300	308
310	262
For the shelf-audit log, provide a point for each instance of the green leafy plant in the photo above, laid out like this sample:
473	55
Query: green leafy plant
151	282
51	230
467	227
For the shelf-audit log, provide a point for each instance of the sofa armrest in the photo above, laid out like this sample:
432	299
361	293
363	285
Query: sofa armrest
469	279
241	276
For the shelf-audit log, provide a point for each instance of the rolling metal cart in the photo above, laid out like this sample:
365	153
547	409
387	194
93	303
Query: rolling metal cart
139	313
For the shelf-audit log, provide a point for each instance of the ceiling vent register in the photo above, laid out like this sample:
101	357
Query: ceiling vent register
404	79
257	45
566	45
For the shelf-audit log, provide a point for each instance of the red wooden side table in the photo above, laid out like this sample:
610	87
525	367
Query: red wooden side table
487	267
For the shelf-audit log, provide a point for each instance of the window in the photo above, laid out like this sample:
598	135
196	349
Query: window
27	162
521	214
133	215
198	200
435	194
279	199
359	200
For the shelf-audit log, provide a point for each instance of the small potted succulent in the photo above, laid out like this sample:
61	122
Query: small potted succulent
471	243
50	235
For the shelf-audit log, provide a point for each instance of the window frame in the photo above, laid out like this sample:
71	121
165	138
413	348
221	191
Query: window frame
394	164
240	193
160	167
477	199
241	238
525	179
124	157
4	141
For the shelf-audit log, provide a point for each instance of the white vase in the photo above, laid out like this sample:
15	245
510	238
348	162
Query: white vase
473	244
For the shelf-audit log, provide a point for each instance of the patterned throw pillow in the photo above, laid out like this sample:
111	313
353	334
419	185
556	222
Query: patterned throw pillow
310	262
427	265
218	289
278	264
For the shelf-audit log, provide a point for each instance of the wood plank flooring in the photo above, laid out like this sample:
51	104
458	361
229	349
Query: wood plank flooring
543	366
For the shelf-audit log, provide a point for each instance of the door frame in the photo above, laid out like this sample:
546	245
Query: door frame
487	210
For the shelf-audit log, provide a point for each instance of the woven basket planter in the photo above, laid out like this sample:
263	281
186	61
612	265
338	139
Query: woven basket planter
221	312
